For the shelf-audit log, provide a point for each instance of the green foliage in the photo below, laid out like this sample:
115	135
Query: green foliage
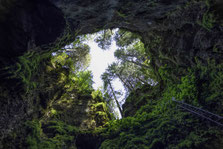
186	90
27	68
172	129
208	18
35	132
104	39
132	69
51	135
208	21
100	108
125	38
165	73
210	85
122	15
60	59
83	81
71	64
76	56
154	123
97	94
159	124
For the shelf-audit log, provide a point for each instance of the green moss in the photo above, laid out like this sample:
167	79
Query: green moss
159	124
53	111
100	113
54	134
27	68
121	14
186	90
97	95
208	18
208	21
66	38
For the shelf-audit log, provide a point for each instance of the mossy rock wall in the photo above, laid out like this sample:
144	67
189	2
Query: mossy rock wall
182	38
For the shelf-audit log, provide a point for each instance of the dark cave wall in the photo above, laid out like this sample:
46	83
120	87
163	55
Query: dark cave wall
175	32
35	24
29	25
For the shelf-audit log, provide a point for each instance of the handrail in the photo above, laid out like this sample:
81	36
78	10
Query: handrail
201	112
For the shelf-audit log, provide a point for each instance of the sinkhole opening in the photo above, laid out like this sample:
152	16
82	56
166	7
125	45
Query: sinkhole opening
112	63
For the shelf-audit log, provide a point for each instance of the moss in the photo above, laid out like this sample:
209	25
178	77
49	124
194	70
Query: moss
186	90
26	68
159	124
208	21
149	130
50	135
208	18
121	14
97	95
100	113
66	38
209	85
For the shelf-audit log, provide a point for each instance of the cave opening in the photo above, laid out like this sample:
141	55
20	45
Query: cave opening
163	50
115	63
109	65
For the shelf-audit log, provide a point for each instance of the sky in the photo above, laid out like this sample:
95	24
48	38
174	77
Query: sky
100	59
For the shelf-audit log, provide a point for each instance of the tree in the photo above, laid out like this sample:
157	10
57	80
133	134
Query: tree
79	52
134	53
132	68
110	92
83	81
131	75
104	39
125	38
116	70
74	58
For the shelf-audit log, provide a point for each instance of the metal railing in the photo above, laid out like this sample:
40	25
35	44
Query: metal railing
200	112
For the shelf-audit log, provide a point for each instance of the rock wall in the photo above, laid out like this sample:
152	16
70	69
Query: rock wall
178	35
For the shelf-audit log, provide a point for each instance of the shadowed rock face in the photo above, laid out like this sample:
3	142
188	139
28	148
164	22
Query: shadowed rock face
28	25
90	16
32	24
177	26
35	24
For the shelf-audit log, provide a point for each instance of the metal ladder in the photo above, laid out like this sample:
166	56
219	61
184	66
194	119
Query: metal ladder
200	112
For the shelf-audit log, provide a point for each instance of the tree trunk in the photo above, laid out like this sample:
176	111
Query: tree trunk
116	100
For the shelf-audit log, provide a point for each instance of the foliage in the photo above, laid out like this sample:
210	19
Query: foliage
208	18
104	39
60	135
208	21
209	85
158	123
74	56
153	119
158	126
74	59
83	81
125	38
27	68
97	94
110	92
186	90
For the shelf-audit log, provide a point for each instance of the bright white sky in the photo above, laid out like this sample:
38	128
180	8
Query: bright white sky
100	59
